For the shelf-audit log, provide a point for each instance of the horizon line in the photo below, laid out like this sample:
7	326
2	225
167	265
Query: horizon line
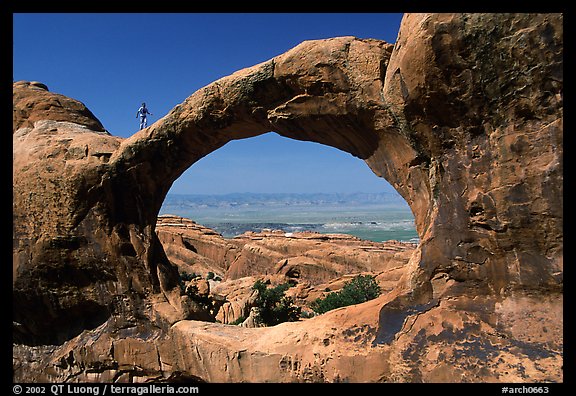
286	193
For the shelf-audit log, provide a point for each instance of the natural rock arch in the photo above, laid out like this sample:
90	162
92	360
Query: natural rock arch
463	125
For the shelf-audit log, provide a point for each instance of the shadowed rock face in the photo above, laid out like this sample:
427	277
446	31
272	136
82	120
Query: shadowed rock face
480	99
463	116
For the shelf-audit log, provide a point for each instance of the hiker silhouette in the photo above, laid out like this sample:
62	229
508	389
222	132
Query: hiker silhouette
143	112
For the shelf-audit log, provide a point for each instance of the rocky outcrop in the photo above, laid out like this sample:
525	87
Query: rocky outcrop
448	342
315	257
463	115
33	102
193	248
479	98
312	263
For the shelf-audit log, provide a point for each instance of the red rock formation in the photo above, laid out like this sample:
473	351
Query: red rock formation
315	262
38	104
318	258
193	248
464	116
484	114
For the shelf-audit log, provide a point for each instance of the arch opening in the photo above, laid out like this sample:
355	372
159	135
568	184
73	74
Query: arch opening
306	95
263	219
274	182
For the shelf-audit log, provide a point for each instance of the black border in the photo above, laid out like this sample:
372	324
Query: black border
6	22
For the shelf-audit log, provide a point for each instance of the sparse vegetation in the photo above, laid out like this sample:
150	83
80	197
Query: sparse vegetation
185	276
275	306
360	289
238	321
212	276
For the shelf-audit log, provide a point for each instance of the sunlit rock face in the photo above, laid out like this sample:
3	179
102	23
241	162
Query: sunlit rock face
463	116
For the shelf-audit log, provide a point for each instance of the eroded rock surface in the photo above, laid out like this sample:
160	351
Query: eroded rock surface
308	255
463	115
311	262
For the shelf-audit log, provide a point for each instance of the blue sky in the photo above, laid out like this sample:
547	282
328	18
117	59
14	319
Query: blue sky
114	62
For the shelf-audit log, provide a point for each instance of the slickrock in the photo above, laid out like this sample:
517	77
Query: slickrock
205	252
313	256
463	115
312	261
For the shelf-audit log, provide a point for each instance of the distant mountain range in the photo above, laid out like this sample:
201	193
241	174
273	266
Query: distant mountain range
232	200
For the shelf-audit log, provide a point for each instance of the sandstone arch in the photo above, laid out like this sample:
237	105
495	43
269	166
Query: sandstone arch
463	116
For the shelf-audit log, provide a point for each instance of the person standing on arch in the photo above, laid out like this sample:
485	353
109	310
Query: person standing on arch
142	112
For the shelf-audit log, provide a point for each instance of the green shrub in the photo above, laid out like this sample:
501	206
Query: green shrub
360	289
274	306
238	321
185	276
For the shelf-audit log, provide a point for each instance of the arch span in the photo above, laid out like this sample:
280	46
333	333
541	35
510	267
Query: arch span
328	93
